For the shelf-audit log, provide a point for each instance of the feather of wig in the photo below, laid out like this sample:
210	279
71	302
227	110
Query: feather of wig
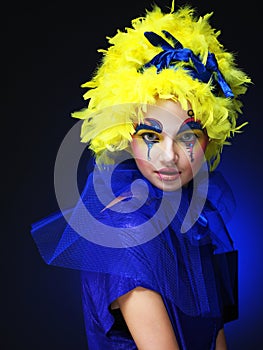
119	92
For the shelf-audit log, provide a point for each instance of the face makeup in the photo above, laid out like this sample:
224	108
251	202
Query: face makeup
169	145
149	132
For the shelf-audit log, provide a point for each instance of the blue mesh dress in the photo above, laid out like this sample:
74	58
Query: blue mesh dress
139	241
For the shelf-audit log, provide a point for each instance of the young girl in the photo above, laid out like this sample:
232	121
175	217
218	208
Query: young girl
149	230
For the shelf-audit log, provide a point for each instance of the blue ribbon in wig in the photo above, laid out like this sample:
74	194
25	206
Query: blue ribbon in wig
177	53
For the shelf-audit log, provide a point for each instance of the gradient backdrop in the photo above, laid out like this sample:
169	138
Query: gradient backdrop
50	50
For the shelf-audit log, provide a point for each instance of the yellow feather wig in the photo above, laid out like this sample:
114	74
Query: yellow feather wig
120	90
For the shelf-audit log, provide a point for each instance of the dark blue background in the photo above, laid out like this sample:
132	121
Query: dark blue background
48	51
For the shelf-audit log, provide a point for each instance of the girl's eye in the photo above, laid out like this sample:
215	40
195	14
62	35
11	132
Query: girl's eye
187	137
150	137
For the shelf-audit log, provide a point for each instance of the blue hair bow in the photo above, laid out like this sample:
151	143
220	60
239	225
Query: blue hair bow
173	54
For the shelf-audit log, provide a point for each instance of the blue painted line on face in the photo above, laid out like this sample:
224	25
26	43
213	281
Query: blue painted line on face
154	125
190	123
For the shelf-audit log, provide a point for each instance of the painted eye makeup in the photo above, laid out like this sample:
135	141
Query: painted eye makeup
153	125
150	138
147	136
190	131
150	133
191	124
187	137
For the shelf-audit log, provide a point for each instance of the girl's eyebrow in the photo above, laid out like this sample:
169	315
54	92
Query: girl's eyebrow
190	123
155	125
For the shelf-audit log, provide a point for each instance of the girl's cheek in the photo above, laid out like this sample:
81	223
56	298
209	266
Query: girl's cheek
200	151
201	144
138	148
204	143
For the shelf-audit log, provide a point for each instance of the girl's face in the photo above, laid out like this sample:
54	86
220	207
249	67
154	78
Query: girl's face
169	145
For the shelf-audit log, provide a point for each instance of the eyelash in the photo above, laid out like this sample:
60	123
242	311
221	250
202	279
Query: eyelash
193	134
145	136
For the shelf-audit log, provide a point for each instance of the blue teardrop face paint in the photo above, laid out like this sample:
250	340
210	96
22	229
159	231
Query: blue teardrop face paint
150	132
189	133
149	145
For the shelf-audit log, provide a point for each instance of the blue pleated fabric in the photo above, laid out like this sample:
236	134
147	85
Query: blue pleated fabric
138	241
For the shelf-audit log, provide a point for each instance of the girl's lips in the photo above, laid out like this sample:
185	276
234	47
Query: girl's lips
168	174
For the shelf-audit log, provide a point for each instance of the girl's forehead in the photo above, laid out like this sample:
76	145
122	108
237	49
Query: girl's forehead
167	111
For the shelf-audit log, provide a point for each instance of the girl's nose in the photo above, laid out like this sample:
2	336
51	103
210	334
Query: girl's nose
168	153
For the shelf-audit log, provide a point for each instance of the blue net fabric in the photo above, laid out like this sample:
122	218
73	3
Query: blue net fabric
138	242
